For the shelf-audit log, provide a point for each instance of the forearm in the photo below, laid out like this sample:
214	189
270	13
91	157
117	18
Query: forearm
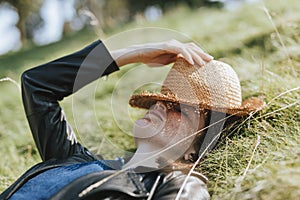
161	53
133	54
120	58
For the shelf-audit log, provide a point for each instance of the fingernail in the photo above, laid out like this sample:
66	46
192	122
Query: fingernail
180	56
210	57
191	61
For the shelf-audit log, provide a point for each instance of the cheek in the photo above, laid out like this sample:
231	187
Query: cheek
177	122
177	128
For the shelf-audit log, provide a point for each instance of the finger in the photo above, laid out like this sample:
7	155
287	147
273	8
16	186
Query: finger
181	56
204	56
179	48
193	45
195	48
197	58
186	55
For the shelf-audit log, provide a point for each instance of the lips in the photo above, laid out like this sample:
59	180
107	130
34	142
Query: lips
142	122
152	115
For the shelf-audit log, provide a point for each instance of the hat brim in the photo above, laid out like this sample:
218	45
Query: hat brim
146	100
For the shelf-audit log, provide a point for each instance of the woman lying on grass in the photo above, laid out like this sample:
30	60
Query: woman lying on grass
183	122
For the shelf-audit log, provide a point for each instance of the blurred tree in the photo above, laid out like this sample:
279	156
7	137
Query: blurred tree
103	14
107	14
139	6
116	12
92	13
25	8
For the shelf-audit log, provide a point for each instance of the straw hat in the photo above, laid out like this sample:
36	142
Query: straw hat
214	86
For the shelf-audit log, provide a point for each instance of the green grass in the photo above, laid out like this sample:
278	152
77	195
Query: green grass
261	157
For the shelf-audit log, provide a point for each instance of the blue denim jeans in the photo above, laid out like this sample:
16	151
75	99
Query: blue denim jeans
48	183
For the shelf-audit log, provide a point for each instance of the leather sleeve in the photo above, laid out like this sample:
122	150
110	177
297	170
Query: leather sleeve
193	189
45	85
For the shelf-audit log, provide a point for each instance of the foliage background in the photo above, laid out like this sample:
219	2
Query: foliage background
261	157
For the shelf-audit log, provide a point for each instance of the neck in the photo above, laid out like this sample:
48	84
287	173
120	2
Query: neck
146	155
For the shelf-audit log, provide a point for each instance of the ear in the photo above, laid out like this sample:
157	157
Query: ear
190	154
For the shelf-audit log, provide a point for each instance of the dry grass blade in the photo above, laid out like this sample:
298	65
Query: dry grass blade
277	33
12	81
216	137
248	166
99	183
241	178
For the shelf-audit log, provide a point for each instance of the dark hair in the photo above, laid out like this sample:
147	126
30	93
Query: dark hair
216	124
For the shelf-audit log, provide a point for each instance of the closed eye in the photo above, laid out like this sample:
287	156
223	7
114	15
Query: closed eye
184	111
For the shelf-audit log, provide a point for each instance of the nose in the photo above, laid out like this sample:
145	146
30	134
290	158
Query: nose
160	106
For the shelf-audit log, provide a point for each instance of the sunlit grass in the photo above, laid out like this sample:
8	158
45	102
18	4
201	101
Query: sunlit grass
274	168
259	160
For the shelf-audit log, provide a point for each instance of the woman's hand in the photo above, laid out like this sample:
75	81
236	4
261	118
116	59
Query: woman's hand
161	53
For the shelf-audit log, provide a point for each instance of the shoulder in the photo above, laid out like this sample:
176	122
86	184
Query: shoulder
188	186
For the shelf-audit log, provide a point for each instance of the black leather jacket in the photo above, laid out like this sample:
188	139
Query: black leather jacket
42	88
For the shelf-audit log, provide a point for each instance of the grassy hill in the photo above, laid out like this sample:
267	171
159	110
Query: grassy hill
261	157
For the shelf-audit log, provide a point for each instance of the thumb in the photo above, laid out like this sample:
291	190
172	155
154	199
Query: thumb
181	56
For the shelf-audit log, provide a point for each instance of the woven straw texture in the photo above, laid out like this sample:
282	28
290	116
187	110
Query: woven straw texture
214	86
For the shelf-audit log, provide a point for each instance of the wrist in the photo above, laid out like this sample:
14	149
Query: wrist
124	56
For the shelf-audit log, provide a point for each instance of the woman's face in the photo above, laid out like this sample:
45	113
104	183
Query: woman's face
167	124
